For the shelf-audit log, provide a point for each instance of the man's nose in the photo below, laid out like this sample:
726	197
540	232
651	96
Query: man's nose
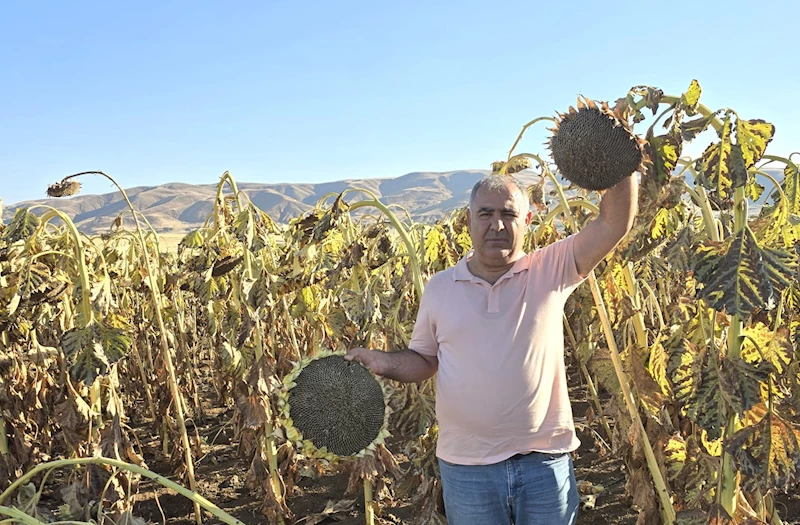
497	224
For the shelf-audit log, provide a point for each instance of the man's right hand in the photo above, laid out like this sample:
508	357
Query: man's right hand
402	365
375	360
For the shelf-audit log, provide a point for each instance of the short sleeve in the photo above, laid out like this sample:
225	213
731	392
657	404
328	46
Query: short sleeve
559	260
423	338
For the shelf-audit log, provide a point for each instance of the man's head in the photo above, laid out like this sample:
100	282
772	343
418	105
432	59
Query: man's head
498	217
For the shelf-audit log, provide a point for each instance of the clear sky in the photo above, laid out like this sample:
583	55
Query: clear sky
310	91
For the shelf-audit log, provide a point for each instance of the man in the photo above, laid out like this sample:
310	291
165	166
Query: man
492	328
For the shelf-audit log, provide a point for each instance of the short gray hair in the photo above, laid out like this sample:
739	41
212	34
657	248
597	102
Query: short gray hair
495	182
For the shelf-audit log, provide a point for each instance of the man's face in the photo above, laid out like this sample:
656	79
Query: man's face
497	225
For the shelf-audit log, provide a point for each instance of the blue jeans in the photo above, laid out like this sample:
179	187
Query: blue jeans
526	489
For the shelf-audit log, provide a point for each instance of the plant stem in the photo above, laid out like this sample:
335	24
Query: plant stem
410	248
3	436
667	511
156	298
638	317
258	343
589	382
729	483
369	505
197	499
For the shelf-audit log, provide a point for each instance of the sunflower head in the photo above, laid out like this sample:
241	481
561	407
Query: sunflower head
594	147
65	188
332	408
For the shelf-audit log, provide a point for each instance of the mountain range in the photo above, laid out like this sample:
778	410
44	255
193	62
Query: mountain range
180	207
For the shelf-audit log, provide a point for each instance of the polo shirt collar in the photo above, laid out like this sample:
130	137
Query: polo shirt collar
461	271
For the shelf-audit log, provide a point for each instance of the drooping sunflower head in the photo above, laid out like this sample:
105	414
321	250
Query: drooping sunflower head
64	188
334	408
594	147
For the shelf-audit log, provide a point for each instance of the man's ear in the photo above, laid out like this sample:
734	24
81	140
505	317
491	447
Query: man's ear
528	218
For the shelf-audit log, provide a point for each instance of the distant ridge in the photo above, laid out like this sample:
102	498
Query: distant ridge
178	207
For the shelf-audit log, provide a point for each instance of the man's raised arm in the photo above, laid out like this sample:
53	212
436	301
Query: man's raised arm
599	237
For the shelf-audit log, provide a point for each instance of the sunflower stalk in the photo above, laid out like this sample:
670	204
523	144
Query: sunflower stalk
589	382
196	498
3	437
728	494
369	504
157	303
667	510
270	447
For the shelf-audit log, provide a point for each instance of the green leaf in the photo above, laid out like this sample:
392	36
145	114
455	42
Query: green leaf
739	276
706	406
22	226
85	355
92	349
737	168
677	251
192	239
753	136
691	98
741	382
715	162
115	342
695	384
791	187
691	128
663	151
767	452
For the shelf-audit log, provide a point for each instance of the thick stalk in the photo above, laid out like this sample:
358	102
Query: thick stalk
3	436
290	327
369	504
638	317
196	498
145	383
401	230
269	440
729	481
172	379
667	511
592	390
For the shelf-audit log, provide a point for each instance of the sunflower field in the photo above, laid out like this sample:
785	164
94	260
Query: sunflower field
124	365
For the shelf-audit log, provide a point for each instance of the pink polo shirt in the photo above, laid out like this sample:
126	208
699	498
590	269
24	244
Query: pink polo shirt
501	388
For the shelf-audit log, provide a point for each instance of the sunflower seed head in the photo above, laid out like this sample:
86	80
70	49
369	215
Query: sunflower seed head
64	188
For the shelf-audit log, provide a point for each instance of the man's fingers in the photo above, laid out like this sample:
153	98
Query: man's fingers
355	353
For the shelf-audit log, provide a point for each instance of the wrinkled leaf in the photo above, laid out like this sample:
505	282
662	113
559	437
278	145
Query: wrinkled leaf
715	163
22	226
767	452
753	136
739	276
691	98
193	239
741	382
738	170
690	129
663	152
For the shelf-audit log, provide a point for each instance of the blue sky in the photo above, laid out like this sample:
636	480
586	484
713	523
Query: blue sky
310	91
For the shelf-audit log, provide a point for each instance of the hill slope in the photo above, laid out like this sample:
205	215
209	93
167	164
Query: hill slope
179	207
